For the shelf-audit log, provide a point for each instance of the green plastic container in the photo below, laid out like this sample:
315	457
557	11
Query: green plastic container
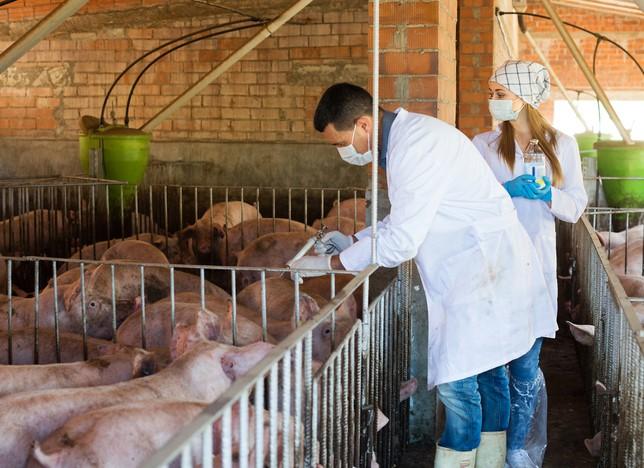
585	141
126	152
617	159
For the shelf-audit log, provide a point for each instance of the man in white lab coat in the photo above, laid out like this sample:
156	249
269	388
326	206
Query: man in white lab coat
483	283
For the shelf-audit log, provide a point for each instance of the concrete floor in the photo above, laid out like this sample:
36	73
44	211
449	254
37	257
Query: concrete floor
568	412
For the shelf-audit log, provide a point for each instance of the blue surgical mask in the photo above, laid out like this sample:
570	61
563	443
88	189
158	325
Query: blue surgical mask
501	109
350	154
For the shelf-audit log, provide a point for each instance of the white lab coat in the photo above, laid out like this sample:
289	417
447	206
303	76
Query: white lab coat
481	276
568	202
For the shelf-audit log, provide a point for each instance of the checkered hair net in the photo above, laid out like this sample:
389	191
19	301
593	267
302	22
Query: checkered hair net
528	80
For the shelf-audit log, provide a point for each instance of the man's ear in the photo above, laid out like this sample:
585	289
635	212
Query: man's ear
365	122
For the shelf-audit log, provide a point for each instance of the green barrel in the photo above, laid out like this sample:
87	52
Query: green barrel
125	156
618	159
585	141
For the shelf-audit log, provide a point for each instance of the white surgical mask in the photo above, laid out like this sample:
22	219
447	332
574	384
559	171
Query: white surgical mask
501	109
351	155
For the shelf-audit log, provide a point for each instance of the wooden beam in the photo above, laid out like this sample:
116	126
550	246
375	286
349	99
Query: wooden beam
38	32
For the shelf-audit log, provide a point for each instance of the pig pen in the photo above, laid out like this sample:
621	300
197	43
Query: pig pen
613	360
334	417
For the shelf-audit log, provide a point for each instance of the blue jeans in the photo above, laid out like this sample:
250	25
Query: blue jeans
473	405
525	382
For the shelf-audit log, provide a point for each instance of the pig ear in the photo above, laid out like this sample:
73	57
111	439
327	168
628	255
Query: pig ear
187	233
106	349
583	334
48	460
308	307
185	337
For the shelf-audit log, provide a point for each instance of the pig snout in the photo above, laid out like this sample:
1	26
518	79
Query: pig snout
145	363
238	362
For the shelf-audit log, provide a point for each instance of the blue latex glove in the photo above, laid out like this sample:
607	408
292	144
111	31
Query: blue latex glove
545	193
523	186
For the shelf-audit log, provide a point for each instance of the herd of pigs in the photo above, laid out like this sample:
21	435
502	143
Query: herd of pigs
154	359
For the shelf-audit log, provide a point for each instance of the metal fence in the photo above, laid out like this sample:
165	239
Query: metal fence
326	417
615	366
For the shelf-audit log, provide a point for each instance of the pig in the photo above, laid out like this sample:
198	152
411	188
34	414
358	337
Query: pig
122	363
96	251
127	286
158	326
633	285
618	259
35	232
212	323
202	373
269	251
614	240
583	334
91	436
98	435
346	225
594	445
321	285
350	208
280	313
188	282
71	347
208	231
23	311
242	234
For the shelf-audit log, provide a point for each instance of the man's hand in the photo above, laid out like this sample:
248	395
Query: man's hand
333	243
320	263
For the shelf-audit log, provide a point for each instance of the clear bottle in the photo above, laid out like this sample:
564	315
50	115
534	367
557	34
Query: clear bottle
534	162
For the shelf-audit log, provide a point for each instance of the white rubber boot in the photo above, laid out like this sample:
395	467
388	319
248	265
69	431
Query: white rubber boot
491	451
448	458
519	459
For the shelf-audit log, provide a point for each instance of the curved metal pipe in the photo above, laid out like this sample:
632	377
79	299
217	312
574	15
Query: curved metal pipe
592	33
147	67
156	49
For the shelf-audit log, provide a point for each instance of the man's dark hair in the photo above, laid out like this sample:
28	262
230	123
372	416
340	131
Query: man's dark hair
341	105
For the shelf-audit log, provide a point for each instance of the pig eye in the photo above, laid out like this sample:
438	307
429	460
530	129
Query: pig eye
92	304
327	332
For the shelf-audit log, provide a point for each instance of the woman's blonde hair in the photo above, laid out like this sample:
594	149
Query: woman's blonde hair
541	130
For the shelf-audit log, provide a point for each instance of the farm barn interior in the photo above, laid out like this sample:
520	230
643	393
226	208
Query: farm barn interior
163	186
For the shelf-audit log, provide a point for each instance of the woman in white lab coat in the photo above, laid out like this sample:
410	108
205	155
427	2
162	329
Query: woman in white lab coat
517	89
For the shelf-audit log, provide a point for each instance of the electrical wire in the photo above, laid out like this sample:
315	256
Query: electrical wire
169	51
6	2
599	110
592	33
156	49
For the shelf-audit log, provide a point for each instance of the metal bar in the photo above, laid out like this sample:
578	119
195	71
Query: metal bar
38	32
592	80
376	122
224	66
554	76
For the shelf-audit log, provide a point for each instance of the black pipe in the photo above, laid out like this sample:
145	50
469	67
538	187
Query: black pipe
6	2
156	49
147	67
592	33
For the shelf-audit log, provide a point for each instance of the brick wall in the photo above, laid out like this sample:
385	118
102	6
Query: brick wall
481	50
417	65
614	70
269	96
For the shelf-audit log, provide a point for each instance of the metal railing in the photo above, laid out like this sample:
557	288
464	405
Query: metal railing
326	417
615	366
